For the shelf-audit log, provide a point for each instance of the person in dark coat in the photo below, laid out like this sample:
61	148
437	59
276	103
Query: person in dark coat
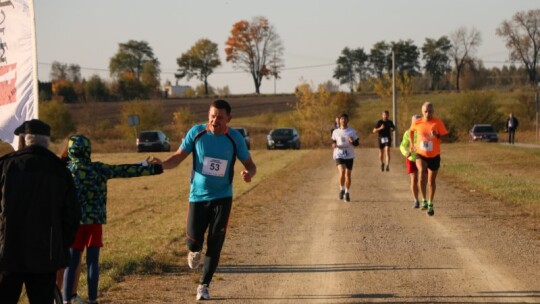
512	124
39	216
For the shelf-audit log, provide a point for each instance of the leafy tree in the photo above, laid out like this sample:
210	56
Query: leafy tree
314	107
66	81
135	65
96	89
63	71
474	108
378	58
351	65
150	76
64	90
436	56
199	61
128	88
57	115
406	58
522	37
474	76
464	43
256	48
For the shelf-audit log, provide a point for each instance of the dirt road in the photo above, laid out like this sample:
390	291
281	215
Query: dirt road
297	243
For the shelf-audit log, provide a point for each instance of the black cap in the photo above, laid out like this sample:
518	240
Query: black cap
34	126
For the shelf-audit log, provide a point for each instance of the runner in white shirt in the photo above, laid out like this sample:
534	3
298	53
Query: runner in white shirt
344	139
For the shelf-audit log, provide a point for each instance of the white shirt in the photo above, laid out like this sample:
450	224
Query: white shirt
344	149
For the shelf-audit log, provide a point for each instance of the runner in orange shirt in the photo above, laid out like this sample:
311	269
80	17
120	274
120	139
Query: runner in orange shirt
429	132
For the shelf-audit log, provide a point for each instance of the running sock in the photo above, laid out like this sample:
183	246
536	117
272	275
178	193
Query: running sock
341	188
430	203
346	190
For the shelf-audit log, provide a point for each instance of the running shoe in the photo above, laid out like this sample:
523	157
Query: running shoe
341	194
77	300
382	167
430	211
416	205
424	205
202	292
193	259
387	167
347	197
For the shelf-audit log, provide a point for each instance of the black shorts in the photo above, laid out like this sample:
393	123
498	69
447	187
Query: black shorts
386	144
433	163
347	162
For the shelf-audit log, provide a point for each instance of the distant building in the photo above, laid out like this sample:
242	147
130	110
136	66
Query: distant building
175	90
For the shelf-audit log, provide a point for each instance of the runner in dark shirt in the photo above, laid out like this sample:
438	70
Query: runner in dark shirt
384	128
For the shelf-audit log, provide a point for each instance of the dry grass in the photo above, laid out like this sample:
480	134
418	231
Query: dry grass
508	173
146	215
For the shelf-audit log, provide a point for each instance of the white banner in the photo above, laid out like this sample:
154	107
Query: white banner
18	63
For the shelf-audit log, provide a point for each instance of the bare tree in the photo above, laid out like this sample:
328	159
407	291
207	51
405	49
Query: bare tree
464	43
522	36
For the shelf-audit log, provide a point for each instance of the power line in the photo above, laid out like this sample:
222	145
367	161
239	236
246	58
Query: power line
223	72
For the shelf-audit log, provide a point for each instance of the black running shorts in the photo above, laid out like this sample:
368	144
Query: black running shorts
347	162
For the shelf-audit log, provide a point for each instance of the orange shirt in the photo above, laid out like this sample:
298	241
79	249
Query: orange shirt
426	144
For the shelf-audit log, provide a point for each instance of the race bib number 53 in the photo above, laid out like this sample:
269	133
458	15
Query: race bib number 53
214	166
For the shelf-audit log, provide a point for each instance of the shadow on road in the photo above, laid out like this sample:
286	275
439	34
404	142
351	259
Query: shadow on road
315	268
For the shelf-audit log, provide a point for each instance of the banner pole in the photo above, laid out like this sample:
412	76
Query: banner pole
35	62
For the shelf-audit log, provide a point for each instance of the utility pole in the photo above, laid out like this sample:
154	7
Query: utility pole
275	73
394	99
537	108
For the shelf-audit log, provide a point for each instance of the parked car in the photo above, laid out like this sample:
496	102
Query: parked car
483	132
283	138
245	134
154	140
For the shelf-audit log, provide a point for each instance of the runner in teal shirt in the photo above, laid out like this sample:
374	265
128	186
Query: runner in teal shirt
214	161
214	148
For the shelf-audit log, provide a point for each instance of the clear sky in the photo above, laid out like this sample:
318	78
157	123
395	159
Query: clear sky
314	32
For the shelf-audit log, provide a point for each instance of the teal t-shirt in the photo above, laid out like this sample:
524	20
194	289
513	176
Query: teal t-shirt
214	155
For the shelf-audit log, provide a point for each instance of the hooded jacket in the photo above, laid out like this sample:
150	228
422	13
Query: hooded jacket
91	178
39	211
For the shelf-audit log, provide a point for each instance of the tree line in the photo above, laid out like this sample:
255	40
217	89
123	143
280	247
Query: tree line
449	63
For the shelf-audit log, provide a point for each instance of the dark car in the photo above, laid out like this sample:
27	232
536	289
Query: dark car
155	141
283	138
245	134
483	132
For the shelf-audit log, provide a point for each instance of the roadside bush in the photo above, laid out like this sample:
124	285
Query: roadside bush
525	111
56	114
316	111
150	116
183	119
474	108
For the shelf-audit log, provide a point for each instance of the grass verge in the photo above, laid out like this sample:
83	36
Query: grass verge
144	233
508	173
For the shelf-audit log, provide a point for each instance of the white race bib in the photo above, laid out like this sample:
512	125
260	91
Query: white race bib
384	140
214	166
426	146
342	153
